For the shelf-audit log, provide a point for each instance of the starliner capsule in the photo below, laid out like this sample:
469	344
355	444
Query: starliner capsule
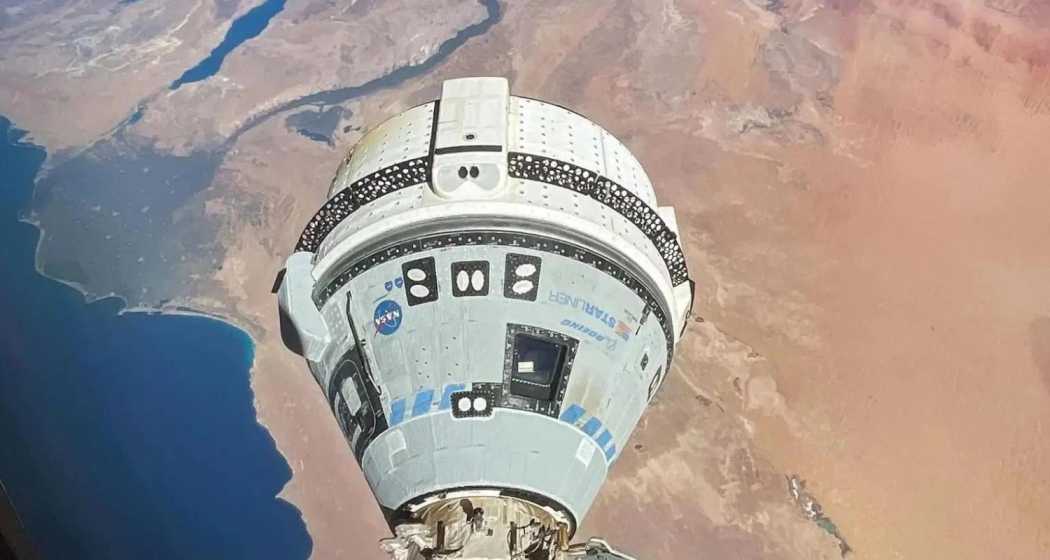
489	299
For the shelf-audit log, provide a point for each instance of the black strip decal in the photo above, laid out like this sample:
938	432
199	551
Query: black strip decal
461	149
503	239
434	128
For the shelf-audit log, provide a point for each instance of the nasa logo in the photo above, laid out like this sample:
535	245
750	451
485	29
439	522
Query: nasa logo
387	318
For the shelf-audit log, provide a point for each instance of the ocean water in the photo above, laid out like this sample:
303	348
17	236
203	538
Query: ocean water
250	25
126	435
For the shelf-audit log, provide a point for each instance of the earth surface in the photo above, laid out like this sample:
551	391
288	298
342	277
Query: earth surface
861	187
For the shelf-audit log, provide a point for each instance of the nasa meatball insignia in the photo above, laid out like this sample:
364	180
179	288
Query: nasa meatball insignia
387	318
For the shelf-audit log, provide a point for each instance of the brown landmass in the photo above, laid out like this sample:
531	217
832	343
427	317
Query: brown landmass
862	193
70	72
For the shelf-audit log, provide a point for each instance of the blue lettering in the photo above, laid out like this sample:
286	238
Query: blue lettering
591	309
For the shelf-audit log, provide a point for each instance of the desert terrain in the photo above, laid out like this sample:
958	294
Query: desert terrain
861	189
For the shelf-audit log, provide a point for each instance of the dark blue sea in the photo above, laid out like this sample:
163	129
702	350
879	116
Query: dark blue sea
126	436
249	25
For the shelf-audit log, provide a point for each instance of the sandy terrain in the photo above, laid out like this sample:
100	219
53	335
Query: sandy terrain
862	194
864	206
310	47
98	60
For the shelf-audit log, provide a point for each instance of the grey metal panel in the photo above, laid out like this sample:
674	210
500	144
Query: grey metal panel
584	208
402	137
375	211
542	128
613	196
484	452
621	166
473	113
435	325
415	356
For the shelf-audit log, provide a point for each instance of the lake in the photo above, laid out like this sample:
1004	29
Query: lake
250	25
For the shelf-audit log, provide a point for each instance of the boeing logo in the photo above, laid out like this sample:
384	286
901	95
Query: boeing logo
610	344
621	329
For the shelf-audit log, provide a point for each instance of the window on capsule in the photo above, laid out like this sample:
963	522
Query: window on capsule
536	368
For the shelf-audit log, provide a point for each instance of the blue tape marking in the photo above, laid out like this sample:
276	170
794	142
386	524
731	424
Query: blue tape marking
423	400
446	395
572	414
603	439
610	452
592	425
397	412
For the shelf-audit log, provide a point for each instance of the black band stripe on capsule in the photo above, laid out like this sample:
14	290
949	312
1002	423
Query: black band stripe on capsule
610	193
360	192
502	239
520	166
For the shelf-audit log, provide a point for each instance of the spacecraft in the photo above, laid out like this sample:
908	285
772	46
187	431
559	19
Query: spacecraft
489	299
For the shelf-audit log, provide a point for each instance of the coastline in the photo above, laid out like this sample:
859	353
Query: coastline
296	492
249	330
325	488
178	309
493	14
243	349
859	191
